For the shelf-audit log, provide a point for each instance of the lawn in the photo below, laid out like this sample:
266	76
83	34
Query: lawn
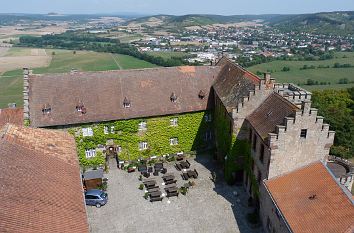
297	76
11	83
126	62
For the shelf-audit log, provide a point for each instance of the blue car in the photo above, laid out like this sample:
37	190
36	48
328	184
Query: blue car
96	197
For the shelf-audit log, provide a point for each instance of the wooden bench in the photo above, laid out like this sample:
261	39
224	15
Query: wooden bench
153	199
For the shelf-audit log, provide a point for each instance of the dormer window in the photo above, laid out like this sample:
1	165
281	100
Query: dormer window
80	107
201	94
46	109
173	97
126	103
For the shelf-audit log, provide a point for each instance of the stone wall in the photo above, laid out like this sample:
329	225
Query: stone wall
290	151
271	217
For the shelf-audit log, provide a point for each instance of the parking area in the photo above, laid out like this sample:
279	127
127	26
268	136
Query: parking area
207	207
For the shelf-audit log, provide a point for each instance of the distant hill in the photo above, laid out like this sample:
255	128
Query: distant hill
340	23
194	20
327	22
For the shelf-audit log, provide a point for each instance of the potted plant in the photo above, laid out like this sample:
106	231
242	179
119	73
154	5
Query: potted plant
141	186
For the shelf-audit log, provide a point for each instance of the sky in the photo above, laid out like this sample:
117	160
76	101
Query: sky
175	7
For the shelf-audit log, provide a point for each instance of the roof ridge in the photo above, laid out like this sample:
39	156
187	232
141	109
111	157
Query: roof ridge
118	71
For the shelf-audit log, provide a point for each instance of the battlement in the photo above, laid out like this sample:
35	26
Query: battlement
293	93
26	73
307	115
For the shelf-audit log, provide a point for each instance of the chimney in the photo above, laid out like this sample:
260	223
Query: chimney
266	78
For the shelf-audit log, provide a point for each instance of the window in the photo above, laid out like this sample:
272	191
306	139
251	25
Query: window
90	153
201	94
112	129
250	135
254	142
142	125
261	157
105	130
87	132
174	122
126	103
208	135
303	133
46	110
143	145
81	108
207	117
173	141
173	97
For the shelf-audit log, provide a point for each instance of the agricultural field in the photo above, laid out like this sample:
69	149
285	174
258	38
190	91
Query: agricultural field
331	76
59	61
17	58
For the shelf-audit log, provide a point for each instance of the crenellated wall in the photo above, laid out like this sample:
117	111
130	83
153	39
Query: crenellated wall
249	103
290	151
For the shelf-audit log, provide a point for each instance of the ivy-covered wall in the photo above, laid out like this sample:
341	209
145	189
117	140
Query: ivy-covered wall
223	134
190	131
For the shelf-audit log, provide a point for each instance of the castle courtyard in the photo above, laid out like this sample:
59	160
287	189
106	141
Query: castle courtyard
207	207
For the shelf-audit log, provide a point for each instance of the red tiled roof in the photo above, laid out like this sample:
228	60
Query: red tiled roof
270	113
40	182
103	94
330	211
11	115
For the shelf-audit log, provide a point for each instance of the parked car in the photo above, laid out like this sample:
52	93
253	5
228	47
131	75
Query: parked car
96	197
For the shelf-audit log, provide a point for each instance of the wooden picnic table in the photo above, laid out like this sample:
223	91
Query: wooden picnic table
172	189
155	194
149	182
154	190
168	178
152	187
168	174
170	185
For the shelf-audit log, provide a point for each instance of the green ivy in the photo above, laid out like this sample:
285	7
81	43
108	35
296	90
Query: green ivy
190	132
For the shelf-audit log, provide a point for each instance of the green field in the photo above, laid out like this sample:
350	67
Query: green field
15	52
11	84
297	76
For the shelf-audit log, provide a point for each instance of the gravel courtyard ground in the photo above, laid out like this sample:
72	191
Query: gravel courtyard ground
207	207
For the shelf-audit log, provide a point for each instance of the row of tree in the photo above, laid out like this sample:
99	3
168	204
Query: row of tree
85	41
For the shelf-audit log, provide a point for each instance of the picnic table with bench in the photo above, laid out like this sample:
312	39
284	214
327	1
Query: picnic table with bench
171	189
155	194
153	199
154	189
168	178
